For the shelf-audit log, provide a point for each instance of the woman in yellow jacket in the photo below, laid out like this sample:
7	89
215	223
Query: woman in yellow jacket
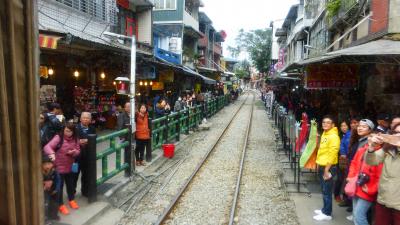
327	158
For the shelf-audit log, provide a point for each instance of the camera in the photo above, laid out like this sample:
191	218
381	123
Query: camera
362	179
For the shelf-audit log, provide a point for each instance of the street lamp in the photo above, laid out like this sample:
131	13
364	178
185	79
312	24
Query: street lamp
132	79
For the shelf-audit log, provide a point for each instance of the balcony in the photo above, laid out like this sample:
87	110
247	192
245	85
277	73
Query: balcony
345	14
190	21
217	49
142	2
102	10
167	55
203	42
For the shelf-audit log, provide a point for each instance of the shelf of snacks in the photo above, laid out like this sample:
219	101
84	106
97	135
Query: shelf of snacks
85	99
106	102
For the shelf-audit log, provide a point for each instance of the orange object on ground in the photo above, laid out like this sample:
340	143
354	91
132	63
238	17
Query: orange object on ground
73	204
63	210
168	150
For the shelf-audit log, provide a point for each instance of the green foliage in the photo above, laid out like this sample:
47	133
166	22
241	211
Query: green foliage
242	69
258	44
332	7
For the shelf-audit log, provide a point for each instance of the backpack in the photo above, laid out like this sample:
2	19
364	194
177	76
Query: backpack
51	127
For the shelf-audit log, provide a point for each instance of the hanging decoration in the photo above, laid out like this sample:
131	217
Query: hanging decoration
301	141
309	157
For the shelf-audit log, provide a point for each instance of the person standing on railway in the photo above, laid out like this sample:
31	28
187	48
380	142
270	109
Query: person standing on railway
327	159
142	136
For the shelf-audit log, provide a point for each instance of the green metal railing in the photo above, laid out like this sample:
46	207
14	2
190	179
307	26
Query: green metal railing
165	129
114	148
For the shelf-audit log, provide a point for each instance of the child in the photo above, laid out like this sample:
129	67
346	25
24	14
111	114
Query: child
51	187
63	150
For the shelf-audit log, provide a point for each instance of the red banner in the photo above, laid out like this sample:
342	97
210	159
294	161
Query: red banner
330	76
46	41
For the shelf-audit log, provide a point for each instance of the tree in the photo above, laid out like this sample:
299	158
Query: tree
258	44
242	69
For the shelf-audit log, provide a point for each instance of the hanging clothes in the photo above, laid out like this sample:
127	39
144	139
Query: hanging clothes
309	156
301	140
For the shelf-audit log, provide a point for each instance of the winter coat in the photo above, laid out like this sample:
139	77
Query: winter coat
50	128
389	182
328	152
358	166
344	143
63	160
160	111
142	126
122	120
354	148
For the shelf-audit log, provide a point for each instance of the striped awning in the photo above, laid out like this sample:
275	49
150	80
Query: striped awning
47	41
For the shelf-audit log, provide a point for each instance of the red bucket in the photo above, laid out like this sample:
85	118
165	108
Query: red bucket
168	150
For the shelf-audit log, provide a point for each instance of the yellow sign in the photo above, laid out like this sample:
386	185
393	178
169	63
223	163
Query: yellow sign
167	76
197	87
43	72
157	86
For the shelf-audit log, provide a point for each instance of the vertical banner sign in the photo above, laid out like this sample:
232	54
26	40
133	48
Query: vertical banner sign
332	76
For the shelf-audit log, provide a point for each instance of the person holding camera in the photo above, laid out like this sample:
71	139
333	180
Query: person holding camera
365	179
386	149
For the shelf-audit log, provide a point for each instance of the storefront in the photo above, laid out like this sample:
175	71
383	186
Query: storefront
80	75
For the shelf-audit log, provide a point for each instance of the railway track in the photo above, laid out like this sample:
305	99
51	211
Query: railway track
152	186
232	174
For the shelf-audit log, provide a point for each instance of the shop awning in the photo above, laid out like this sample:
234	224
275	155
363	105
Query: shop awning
210	70
206	80
380	51
48	41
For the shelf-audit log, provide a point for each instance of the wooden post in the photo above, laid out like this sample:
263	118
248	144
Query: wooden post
92	168
21	189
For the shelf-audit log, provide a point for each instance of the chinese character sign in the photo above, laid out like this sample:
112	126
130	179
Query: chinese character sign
331	76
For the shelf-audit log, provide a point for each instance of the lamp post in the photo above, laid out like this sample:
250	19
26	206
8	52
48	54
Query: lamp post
132	79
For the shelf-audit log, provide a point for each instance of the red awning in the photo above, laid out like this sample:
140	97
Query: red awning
46	41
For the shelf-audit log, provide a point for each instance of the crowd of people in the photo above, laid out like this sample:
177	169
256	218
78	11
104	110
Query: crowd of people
358	166
64	158
64	146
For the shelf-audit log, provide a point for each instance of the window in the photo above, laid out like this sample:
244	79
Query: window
165	4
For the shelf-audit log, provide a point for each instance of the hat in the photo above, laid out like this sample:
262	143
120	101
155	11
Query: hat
383	116
368	122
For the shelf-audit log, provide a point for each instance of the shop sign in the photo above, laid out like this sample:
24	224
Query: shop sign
157	86
46	41
123	3
146	73
167	76
330	76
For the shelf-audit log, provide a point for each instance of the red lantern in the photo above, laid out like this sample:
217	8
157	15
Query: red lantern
122	85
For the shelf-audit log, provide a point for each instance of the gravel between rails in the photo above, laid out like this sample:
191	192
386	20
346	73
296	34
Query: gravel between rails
261	199
153	204
209	197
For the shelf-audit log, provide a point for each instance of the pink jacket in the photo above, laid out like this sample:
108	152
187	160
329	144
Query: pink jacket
63	160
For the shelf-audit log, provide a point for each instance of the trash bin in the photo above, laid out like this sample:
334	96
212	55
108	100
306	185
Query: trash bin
168	150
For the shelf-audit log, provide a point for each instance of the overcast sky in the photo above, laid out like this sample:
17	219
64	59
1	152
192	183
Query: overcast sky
232	15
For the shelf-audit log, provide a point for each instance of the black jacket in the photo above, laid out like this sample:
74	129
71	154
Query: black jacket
122	120
51	127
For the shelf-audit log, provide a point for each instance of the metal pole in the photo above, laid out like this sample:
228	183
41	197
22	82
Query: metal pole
133	83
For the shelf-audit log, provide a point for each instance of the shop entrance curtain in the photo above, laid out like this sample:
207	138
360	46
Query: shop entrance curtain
21	191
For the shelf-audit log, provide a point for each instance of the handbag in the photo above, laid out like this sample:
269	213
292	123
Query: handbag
351	186
75	167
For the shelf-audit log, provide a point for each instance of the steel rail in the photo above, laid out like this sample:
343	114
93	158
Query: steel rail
167	211
240	174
